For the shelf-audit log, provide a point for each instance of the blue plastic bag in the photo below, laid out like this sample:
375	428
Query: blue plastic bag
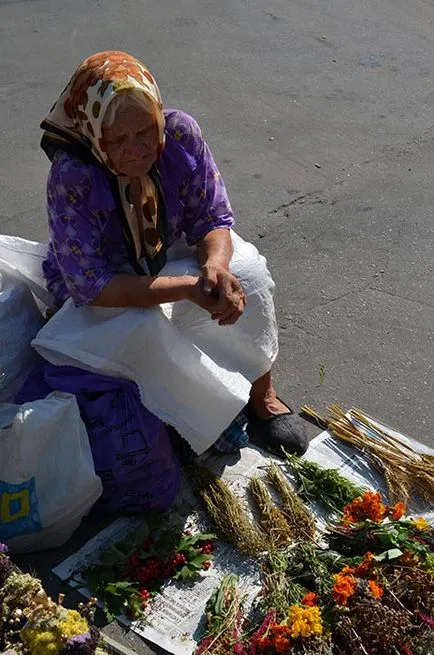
131	448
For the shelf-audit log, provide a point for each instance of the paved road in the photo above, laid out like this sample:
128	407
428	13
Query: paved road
319	113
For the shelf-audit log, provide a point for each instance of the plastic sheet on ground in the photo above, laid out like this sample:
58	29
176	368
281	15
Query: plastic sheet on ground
176	618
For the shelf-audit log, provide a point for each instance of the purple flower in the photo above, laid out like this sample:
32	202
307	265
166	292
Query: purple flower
84	644
3	548
79	639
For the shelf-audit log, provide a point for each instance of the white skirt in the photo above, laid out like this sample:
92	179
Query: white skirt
192	373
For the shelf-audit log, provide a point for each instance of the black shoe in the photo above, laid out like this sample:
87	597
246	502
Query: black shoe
285	430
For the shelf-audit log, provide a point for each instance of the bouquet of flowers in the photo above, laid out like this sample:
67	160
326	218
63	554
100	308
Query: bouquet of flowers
302	631
224	620
32	624
229	630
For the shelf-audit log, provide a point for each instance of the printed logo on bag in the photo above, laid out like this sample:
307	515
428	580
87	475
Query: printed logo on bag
19	509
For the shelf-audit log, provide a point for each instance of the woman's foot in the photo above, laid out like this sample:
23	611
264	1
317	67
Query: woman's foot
271	423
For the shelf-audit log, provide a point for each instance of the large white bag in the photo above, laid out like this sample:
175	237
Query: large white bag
23	259
20	320
47	477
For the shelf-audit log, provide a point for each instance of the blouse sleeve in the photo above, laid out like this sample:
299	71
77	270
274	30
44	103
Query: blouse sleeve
206	201
79	209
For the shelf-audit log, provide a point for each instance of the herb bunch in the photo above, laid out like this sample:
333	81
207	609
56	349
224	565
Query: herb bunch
326	486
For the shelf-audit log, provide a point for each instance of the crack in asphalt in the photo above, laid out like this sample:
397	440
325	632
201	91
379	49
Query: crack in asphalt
312	334
298	199
397	295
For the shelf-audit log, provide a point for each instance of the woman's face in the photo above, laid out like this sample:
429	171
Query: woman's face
131	142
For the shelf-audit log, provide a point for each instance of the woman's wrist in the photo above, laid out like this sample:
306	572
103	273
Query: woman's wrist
215	250
188	285
215	263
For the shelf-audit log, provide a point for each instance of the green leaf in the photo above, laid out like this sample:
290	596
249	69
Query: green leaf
199	560
115	596
119	588
187	541
186	573
393	553
112	556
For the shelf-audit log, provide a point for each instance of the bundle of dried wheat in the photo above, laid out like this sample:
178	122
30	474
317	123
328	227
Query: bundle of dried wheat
298	515
271	518
228	513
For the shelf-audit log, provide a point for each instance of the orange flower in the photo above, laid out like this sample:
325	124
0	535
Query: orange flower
278	630
364	569
264	643
376	589
368	506
348	570
282	645
344	587
398	511
310	599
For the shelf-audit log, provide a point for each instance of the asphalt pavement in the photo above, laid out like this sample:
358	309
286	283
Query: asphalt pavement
320	115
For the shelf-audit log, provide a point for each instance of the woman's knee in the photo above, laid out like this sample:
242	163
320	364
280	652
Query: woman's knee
250	268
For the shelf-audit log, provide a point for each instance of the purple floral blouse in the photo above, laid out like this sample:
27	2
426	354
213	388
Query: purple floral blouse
86	246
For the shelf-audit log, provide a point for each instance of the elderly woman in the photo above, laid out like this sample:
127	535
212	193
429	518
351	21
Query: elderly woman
152	282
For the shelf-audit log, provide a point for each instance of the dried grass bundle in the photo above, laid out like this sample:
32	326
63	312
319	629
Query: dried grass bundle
406	471
228	513
271	518
301	521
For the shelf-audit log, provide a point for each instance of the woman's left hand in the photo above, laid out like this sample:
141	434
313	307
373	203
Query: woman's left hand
220	282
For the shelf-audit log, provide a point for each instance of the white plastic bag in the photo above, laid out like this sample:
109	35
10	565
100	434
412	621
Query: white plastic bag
20	320
47	478
23	259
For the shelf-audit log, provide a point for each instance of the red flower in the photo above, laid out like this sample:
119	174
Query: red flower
282	645
278	630
398	511
310	599
264	643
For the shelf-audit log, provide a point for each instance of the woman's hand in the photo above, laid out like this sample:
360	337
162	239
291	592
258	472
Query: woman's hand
221	285
214	253
196	293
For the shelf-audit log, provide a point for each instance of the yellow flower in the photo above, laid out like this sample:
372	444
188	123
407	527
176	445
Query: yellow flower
420	523
74	625
40	642
50	637
304	621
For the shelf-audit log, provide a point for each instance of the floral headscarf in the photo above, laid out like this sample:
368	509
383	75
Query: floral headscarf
75	124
